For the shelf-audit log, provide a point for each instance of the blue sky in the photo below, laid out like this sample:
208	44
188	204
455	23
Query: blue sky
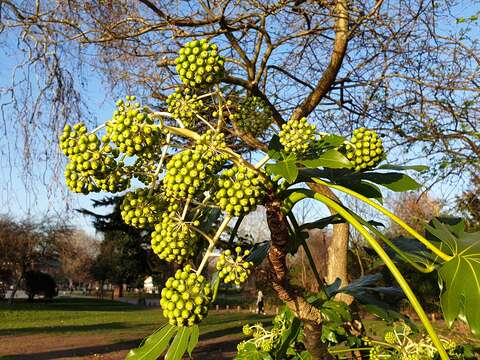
19	201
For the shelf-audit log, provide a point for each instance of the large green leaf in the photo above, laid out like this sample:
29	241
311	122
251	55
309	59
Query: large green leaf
332	159
192	342
285	168
392	180
259	252
275	148
459	278
364	188
332	140
323	222
153	346
179	344
288	337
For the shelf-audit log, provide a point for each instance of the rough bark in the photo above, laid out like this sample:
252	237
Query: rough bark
289	294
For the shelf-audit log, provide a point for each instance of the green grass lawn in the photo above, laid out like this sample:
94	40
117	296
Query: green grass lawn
77	315
128	324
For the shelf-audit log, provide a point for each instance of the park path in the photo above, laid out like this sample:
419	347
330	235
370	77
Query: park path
102	346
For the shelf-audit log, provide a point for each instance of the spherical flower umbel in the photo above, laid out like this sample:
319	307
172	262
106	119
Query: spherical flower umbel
131	129
185	298
187	174
140	209
173	240
365	150
253	115
297	136
232	267
240	190
184	105
190	171
199	64
92	162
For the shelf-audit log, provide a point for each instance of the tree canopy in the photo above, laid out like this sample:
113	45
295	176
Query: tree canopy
406	68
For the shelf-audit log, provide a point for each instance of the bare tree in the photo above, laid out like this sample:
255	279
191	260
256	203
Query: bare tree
388	65
27	245
77	252
416	209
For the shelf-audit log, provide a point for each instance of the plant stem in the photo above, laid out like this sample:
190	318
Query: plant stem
182	132
425	270
219	232
311	262
160	114
392	216
262	162
185	209
220	108
160	163
209	239
205	121
339	351
392	267
100	127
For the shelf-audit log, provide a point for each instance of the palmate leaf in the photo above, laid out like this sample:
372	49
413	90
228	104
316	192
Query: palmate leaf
286	168
459	278
332	159
154	345
192	342
179	344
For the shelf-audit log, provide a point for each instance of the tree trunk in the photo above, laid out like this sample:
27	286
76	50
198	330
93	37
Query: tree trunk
337	250
312	340
15	289
292	296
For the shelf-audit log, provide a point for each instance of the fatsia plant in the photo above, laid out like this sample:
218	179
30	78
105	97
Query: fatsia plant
196	183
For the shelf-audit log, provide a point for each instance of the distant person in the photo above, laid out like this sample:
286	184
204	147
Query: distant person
260	302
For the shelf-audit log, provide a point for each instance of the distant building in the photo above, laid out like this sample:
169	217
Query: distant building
148	286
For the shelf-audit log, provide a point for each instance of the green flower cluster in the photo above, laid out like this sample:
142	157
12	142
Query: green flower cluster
297	136
199	64
374	352
401	343
240	190
141	209
91	164
253	115
366	149
263	339
131	129
173	240
184	105
185	298
145	166
234	268
116	180
390	337
190	171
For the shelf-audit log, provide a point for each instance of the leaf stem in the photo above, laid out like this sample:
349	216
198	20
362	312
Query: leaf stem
402	254
185	209
219	232
160	164
391	266
311	262
392	216
220	108
262	161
